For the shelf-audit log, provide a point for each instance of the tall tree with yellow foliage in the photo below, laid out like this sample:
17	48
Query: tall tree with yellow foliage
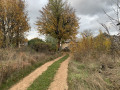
58	20
13	21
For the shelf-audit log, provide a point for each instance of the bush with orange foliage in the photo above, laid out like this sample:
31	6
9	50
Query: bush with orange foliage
91	45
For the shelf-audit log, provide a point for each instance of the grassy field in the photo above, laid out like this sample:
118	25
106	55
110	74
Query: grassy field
100	74
43	81
16	64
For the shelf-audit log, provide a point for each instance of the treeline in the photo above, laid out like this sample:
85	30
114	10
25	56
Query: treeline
95	46
13	23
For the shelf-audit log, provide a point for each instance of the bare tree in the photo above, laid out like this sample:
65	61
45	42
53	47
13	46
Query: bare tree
87	33
105	27
115	22
115	18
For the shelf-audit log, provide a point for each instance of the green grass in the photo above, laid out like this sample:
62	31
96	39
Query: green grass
43	81
107	80
17	76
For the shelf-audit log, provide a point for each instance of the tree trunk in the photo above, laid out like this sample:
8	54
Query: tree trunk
59	45
4	41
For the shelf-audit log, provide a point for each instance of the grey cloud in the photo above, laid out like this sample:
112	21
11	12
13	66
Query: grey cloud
91	13
91	7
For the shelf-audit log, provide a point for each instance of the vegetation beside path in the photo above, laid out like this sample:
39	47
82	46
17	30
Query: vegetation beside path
43	81
19	74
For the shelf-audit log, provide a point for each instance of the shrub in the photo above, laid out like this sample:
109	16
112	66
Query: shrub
91	45
96	56
52	41
39	45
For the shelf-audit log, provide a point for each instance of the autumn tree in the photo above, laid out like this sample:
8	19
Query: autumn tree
58	20
102	43
87	40
13	21
21	22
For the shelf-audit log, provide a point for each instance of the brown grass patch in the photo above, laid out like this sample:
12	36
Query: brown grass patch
16	60
102	73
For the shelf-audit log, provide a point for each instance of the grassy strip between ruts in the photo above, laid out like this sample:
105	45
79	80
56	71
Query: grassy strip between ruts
43	81
17	76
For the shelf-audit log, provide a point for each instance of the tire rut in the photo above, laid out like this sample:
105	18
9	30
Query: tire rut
60	79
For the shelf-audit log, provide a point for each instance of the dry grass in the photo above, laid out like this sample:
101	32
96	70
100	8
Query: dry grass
17	60
94	73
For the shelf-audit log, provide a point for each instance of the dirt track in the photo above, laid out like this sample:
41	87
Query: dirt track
27	81
60	80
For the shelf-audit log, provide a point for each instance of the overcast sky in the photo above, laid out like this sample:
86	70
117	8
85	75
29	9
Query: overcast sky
90	12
